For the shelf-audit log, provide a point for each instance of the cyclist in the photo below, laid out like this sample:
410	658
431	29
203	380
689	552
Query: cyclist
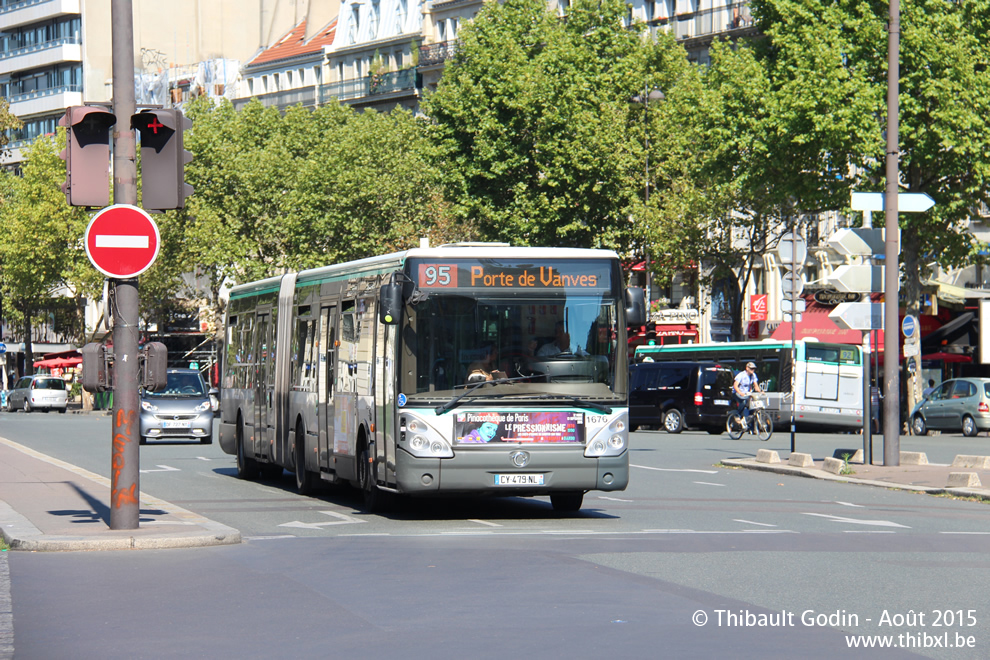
744	385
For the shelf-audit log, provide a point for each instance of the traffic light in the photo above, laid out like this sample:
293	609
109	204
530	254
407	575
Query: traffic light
87	155
162	158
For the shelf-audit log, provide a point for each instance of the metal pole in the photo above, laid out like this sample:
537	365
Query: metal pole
125	458
646	195
892	402
794	322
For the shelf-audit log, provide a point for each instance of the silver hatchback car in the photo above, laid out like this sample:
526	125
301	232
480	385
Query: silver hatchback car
184	409
38	392
960	404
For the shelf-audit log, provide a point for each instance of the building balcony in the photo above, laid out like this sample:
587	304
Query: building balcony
45	101
37	56
437	54
376	85
703	25
33	11
284	99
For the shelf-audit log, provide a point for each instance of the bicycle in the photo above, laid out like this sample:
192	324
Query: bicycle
760	421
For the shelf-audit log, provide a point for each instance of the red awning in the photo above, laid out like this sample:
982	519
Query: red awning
815	324
947	357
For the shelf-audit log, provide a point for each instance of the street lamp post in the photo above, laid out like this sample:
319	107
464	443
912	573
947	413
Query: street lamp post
644	100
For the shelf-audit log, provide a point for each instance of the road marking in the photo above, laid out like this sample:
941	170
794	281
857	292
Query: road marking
750	522
342	519
613	499
270	538
973	533
708	483
164	468
858	506
204	458
165	522
868	531
646	467
856	521
484	522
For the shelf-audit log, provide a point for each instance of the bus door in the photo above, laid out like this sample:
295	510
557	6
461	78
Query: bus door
345	392
264	395
328	338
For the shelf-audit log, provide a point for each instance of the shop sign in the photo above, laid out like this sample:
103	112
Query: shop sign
676	316
836	297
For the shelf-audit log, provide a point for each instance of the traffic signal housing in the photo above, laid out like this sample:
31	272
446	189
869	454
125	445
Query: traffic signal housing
87	155
163	158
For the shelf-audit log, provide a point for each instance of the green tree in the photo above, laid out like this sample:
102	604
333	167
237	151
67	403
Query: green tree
41	243
536	128
277	192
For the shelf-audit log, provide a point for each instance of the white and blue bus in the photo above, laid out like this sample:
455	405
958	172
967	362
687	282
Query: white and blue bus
359	373
828	383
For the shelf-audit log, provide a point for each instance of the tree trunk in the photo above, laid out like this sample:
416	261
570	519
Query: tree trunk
28	350
912	297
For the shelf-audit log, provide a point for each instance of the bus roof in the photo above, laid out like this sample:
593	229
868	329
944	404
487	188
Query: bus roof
389	262
729	346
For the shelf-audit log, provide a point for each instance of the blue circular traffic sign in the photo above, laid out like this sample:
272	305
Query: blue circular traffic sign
909	326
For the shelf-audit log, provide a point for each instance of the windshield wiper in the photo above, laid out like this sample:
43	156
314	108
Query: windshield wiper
471	387
599	407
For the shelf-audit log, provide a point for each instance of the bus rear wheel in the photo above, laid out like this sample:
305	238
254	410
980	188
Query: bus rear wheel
247	468
305	483
566	502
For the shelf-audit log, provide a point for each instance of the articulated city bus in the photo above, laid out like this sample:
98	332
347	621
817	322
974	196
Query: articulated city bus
828	383
466	369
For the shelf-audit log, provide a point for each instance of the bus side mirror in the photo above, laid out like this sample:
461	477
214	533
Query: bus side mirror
390	303
635	306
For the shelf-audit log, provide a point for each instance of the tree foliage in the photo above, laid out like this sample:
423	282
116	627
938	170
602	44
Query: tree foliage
41	245
278	192
534	119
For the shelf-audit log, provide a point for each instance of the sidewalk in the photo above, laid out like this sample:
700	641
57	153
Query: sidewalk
967	476
47	504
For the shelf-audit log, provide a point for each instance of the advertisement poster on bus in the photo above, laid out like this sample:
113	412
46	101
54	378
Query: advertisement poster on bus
527	427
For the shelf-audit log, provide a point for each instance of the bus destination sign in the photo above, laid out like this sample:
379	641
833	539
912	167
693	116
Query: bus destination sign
476	275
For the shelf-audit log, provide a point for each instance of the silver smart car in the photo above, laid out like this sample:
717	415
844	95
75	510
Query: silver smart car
184	409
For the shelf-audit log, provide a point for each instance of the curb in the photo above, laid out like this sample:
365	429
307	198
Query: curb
815	473
21	534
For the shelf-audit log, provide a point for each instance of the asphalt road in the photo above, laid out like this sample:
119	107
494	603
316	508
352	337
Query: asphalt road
634	574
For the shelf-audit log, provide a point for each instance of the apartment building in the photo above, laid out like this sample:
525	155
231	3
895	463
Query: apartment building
58	53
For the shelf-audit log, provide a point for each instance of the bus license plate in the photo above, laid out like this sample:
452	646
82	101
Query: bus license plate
518	479
831	411
176	425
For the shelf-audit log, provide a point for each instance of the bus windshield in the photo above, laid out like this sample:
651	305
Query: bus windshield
549	343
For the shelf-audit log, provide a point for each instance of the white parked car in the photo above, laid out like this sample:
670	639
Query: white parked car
38	392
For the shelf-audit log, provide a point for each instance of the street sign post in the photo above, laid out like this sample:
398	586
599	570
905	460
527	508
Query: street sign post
857	278
858	315
909	326
906	202
792	250
859	241
122	241
792	284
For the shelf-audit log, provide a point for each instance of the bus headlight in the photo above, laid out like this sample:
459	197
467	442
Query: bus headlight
609	441
422	441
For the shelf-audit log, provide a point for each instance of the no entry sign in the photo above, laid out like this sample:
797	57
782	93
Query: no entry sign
122	241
